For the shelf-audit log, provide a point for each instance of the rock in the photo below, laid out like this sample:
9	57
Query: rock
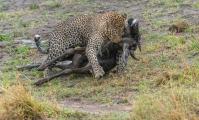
120	101
1	90
3	44
26	42
1	56
179	26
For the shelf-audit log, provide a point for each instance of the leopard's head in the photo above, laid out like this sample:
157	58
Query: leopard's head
115	25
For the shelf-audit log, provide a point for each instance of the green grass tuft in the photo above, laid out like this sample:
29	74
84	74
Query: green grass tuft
34	6
54	4
196	5
5	37
194	45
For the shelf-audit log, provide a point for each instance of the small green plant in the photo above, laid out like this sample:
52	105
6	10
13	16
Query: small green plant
2	5
173	41
5	37
196	5
54	4
24	24
18	33
23	50
194	44
34	6
168	3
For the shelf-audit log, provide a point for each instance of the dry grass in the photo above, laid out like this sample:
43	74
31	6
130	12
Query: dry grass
18	104
172	104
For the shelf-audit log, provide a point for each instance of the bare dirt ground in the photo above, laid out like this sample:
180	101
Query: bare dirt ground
95	108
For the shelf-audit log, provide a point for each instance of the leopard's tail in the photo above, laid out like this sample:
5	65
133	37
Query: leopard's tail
38	44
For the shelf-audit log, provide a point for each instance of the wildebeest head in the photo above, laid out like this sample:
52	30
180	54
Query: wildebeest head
133	27
131	39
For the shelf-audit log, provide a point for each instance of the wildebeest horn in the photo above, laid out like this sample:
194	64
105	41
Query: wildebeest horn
139	46
135	21
133	55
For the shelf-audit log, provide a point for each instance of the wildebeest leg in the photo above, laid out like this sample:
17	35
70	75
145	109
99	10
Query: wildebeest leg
63	66
107	65
46	79
79	60
82	70
32	66
68	52
28	67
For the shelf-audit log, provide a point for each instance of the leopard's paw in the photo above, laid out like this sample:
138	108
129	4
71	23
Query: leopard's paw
99	74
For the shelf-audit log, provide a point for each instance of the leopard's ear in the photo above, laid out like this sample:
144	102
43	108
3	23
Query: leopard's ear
124	15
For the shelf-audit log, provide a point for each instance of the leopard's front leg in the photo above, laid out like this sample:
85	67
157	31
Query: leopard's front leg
93	46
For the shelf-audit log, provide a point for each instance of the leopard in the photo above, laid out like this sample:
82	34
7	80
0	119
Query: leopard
91	31
131	40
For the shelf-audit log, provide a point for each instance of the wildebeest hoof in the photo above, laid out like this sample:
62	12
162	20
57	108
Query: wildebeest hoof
47	72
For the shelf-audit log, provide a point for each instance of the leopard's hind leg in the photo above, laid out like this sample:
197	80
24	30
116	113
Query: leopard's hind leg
59	43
